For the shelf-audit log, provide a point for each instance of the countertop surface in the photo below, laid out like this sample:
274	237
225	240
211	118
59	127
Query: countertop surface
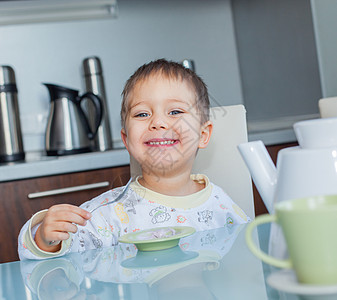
275	137
38	164
276	130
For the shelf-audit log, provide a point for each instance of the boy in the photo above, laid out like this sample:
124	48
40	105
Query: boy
165	120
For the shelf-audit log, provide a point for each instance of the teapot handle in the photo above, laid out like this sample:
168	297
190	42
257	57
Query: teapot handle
98	113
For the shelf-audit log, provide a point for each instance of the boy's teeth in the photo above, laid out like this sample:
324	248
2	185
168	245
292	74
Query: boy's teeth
162	143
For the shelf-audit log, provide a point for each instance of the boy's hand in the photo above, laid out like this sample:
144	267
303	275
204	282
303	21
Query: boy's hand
59	220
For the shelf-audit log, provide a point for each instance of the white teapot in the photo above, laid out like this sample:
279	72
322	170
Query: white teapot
309	169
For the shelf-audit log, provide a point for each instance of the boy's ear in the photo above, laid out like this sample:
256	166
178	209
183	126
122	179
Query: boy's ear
205	134
124	138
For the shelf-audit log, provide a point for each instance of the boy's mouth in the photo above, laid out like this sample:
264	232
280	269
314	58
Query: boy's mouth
161	142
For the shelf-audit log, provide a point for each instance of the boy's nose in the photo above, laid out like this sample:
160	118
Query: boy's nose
158	123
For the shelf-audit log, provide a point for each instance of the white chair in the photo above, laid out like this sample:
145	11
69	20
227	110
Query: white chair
221	160
328	107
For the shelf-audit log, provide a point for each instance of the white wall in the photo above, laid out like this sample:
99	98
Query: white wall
144	30
325	24
278	59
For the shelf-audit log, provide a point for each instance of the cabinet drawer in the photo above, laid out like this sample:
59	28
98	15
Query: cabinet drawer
73	188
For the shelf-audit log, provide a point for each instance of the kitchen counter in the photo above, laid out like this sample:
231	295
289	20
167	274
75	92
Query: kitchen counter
274	137
277	130
38	165
271	132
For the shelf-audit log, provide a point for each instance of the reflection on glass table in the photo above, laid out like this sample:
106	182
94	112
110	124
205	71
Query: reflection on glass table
214	264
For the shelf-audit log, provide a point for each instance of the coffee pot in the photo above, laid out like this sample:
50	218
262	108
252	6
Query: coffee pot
302	171
68	130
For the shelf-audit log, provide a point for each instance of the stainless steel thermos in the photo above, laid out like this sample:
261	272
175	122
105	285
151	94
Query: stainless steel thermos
94	82
11	145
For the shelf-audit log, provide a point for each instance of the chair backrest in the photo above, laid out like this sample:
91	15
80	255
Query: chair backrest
221	160
328	107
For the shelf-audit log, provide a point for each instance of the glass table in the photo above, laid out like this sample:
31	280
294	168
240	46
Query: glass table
214	264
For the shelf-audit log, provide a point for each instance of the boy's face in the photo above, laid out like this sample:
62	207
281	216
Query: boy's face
162	129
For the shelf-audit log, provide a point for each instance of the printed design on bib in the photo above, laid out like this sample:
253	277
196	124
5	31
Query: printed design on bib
229	221
159	215
223	206
107	255
184	246
105	232
208	239
121	214
205	216
96	241
239	212
81	242
106	200
181	219
130	206
81	239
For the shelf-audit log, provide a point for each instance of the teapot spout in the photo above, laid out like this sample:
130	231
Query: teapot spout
262	170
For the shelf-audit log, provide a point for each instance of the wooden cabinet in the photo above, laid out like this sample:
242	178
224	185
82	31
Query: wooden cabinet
260	208
17	208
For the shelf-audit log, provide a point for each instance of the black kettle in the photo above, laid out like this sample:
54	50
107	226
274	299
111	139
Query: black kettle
68	130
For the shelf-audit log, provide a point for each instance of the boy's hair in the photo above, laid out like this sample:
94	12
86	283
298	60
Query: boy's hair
168	69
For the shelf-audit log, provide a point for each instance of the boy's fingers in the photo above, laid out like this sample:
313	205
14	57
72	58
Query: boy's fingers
59	231
69	217
70	208
59	236
65	227
61	220
80	211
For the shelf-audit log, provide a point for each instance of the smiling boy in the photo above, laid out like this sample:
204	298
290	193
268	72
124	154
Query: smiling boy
165	120
162	114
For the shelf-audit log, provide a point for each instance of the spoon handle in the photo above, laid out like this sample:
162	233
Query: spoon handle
120	196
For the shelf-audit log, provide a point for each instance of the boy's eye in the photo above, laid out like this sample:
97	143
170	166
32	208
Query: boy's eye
175	112
142	115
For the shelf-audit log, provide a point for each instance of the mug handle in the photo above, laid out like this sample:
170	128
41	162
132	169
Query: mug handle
276	262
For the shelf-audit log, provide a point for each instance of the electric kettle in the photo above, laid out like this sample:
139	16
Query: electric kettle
68	130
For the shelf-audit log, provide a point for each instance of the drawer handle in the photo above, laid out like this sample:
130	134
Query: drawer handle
69	190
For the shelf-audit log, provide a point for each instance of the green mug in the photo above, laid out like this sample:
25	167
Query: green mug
309	226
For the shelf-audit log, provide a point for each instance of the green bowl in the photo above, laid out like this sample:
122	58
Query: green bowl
146	240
